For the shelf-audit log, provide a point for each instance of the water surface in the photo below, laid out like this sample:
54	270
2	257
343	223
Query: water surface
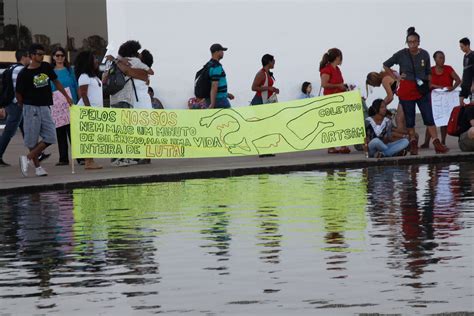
378	240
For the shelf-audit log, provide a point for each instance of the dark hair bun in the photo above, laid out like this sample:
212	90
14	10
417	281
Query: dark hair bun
411	30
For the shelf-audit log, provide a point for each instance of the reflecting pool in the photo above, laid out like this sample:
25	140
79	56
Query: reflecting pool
391	240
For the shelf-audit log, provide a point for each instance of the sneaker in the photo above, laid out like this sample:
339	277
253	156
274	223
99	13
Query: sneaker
131	162
120	163
3	163
24	165
40	172
43	156
144	161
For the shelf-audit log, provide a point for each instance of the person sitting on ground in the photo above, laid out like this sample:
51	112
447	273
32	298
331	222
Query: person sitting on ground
155	102
442	77
379	133
466	125
306	89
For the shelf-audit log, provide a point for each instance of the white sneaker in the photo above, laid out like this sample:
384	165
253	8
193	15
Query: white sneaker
24	162
120	163
131	162
40	172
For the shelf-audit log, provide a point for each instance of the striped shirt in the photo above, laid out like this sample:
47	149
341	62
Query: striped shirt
15	73
217	73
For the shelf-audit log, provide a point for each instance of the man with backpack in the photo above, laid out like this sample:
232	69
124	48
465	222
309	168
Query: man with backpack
8	100
119	83
211	81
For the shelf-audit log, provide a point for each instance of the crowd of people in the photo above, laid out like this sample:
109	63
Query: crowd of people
34	82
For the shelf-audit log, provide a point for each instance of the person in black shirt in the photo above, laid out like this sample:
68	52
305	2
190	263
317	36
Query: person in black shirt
34	95
468	70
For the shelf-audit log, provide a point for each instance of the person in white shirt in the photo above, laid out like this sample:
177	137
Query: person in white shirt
142	100
90	88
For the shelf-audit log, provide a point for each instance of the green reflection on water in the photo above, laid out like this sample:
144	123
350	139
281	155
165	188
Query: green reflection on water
331	203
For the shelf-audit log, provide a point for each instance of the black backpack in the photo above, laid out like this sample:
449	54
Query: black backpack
202	82
8	93
116	81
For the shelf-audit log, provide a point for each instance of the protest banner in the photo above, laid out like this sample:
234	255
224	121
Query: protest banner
443	102
60	108
306	124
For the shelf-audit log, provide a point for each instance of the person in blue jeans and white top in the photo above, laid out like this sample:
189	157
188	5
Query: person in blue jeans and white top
219	97
379	133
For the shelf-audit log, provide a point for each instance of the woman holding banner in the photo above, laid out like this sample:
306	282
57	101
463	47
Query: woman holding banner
60	110
442	77
90	89
332	82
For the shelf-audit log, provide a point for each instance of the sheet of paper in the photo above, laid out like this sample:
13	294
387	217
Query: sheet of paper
443	103
60	109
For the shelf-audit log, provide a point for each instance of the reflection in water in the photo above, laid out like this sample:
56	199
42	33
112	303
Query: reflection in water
275	243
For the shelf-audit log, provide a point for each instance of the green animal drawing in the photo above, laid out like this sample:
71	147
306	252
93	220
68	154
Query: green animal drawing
268	132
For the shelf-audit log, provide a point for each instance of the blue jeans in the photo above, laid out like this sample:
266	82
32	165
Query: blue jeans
222	103
388	150
424	104
257	100
14	117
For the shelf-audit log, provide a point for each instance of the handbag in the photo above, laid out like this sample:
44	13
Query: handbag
273	98
453	123
423	86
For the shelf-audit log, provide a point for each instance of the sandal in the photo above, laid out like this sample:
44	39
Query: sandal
344	150
333	150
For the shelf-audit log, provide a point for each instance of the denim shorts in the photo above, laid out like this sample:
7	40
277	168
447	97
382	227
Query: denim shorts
424	104
257	100
37	122
222	103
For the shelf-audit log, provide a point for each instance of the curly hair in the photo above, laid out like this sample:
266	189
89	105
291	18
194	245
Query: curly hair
129	49
147	58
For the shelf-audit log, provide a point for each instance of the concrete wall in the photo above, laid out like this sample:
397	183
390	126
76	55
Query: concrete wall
296	32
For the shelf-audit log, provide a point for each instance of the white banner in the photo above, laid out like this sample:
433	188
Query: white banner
443	102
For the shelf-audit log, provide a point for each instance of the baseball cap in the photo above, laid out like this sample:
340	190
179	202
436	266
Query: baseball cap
217	47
